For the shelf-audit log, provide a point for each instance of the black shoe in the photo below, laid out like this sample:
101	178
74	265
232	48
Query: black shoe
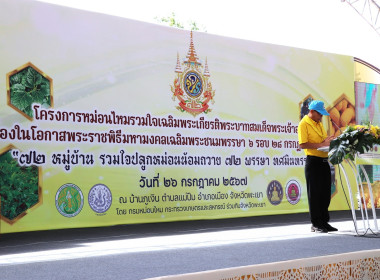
329	227
318	229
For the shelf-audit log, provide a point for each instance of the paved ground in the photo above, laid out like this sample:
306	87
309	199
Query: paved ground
151	250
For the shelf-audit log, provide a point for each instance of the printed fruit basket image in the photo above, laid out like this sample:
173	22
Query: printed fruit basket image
376	195
342	113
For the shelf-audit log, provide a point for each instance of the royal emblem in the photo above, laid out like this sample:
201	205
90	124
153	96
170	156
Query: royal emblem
192	86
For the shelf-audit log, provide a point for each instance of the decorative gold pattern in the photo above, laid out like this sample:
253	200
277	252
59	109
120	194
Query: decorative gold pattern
367	268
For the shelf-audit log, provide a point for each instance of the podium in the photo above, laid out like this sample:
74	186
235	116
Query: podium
360	160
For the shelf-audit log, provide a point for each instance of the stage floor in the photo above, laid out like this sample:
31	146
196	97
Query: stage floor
152	250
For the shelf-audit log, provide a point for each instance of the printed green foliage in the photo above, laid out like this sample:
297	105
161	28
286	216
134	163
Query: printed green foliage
18	186
28	87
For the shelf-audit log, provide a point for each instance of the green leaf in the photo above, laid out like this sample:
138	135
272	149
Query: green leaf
360	149
18	88
45	89
28	86
38	96
33	78
350	156
334	143
337	154
29	111
351	142
21	100
19	186
16	78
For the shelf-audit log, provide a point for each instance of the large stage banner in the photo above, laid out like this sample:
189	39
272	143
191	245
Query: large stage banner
106	121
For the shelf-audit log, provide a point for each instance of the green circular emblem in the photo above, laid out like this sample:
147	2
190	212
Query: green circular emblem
69	200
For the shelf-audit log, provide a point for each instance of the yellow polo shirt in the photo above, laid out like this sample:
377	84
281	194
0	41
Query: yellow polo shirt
311	132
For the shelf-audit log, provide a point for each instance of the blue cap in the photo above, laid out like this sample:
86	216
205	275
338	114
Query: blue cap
318	106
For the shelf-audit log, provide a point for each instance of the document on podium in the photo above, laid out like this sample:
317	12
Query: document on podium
324	149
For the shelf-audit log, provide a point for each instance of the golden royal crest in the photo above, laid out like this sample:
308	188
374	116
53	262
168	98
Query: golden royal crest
192	86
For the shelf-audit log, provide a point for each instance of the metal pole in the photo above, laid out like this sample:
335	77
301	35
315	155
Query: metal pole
361	195
350	194
371	196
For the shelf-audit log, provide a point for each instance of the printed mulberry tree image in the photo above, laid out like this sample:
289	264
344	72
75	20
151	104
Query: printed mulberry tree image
18	187
28	85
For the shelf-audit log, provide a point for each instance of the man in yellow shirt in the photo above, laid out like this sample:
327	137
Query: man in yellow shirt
312	136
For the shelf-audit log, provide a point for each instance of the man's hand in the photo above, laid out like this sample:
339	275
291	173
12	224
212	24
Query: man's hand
327	141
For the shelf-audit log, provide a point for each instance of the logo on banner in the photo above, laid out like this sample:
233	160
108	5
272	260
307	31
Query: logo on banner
293	192
191	86
69	200
275	192
100	198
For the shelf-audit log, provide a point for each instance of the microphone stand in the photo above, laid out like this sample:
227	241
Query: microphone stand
336	125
